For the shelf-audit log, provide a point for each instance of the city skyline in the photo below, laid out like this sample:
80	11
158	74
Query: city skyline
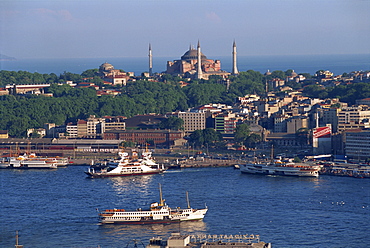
93	29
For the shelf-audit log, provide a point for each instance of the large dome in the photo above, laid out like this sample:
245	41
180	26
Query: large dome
192	54
106	67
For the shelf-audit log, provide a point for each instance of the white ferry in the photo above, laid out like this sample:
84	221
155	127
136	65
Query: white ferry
281	168
31	161
126	166
158	213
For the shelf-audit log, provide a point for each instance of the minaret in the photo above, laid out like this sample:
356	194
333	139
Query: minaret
235	69
150	61
199	61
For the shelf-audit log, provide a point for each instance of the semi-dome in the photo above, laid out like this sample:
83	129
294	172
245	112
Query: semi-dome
192	54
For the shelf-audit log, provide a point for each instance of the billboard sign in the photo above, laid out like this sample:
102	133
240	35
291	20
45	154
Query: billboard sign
322	132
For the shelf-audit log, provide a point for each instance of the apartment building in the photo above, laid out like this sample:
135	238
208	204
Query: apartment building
353	118
357	144
193	120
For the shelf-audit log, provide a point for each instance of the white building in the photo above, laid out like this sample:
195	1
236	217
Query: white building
71	130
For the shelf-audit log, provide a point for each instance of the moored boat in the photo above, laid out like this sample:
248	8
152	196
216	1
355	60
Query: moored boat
4	163
31	162
158	213
126	166
281	168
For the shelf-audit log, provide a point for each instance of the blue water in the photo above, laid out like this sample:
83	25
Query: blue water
337	64
58	208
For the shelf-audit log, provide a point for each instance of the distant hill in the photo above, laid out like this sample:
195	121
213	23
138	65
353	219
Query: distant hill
4	57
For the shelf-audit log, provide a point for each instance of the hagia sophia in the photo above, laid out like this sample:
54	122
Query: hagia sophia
193	64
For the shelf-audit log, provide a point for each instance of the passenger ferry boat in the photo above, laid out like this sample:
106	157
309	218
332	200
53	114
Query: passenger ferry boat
30	161
126	166
158	213
281	168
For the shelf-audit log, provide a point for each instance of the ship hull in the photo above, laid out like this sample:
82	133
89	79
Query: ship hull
98	175
152	222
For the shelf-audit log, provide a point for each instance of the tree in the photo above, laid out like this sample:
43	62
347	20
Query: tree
206	136
252	140
127	144
278	74
196	138
315	91
173	123
211	136
90	73
241	133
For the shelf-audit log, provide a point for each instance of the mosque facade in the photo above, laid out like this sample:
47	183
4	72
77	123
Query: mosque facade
194	64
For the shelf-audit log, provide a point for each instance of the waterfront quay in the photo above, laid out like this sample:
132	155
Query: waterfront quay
346	169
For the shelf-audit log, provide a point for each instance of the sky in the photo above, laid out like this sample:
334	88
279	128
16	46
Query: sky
124	28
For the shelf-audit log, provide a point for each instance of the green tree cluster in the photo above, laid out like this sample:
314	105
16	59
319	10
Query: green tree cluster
346	93
243	136
207	136
173	123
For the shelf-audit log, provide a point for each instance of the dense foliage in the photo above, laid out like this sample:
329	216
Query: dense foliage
25	77
201	138
173	123
346	93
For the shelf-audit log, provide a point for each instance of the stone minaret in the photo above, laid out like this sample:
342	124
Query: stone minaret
150	61
199	62
235	68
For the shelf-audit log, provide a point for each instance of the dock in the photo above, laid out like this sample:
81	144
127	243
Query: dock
348	170
209	163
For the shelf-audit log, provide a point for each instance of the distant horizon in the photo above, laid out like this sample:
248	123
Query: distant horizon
338	64
208	56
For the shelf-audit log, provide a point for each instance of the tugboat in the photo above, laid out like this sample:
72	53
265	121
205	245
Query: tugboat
126	166
158	213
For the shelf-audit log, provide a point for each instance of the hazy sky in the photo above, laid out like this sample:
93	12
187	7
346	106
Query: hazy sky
124	28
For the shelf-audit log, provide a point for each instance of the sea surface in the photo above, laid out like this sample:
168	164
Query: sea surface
58	208
338	64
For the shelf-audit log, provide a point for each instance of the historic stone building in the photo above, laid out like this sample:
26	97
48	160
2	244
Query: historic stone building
195	64
113	76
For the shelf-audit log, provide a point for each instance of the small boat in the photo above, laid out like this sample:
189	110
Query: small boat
126	166
158	213
4	163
